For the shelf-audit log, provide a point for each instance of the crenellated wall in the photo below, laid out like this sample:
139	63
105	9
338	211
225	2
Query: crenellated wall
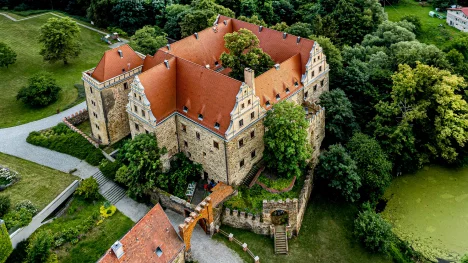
243	220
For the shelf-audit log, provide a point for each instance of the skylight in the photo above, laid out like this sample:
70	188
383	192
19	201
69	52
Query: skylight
267	103
277	96
185	109
200	117
217	125
159	251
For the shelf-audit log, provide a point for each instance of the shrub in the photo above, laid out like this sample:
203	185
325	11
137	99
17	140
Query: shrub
28	205
39	247
5	244
105	211
117	30
8	56
5	204
19	253
18	218
88	189
372	230
7	176
41	91
109	169
183	171
464	259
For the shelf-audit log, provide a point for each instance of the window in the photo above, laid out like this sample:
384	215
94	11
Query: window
267	103
134	95
92	102
125	85
184	128
137	127
186	143
198	135
252	115
315	87
139	98
252	134
204	153
277	96
97	126
242	106
249	102
241	123
189	154
287	90
241	142
91	89
241	164
306	94
159	252
200	117
185	109
216	63
95	115
136	108
143	113
313	73
216	144
318	57
216	125
252	154
321	83
146	131
320	69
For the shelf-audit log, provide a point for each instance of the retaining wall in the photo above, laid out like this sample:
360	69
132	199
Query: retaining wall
243	220
172	202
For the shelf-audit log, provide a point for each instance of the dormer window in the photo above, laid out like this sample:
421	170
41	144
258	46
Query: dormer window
287	90
296	83
267	103
277	96
200	117
216	63
159	251
185	109
216	125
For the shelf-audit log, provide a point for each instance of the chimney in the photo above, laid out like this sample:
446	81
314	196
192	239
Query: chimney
298	40
260	28
166	62
285	35
117	248
196	35
277	66
120	53
168	46
249	77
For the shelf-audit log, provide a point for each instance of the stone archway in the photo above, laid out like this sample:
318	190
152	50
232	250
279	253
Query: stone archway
280	217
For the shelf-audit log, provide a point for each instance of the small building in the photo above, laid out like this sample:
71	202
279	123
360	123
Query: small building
458	18
152	240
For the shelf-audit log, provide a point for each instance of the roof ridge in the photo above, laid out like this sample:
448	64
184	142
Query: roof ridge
208	69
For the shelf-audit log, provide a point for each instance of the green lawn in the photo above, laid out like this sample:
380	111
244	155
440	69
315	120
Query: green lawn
23	38
95	242
326	236
38	183
432	33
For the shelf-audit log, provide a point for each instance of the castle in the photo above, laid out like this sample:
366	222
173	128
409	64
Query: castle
184	96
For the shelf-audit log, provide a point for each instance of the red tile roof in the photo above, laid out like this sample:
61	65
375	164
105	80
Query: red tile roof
463	9
140	243
112	65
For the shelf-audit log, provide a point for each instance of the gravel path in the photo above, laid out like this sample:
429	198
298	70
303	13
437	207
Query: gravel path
205	249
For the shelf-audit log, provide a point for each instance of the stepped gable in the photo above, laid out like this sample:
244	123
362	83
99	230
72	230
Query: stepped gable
159	83
112	64
140	244
151	61
275	81
272	42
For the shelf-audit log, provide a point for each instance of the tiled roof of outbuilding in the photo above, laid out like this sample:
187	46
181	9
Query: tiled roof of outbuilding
463	9
112	64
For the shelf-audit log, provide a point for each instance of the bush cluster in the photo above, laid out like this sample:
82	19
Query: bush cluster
41	91
5	204
109	169
74	233
373	231
5	244
62	139
21	215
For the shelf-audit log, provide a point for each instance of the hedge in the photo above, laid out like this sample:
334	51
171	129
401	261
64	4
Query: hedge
5	244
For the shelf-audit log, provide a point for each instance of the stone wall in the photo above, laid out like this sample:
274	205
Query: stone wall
96	114
304	198
243	220
78	117
288	205
172	202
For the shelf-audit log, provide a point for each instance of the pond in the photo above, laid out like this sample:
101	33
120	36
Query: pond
430	210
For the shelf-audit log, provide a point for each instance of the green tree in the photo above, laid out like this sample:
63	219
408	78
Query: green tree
410	52
181	173
244	52
18	218
7	55
339	171
426	118
39	247
88	189
280	26
389	33
300	29
283	10
148	40
5	204
174	15
254	20
130	15
195	21
373	165
41	91
373	231
5	243
334	58
340	122
464	259
99	12
142	164
59	39
286	146
416	21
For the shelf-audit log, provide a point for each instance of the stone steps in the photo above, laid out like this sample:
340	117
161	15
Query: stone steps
100	178
114	193
281	240
250	176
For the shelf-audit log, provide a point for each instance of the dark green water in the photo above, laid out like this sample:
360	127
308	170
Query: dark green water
430	210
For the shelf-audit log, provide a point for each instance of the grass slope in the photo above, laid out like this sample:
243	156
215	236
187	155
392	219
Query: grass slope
23	38
326	236
38	183
96	242
432	33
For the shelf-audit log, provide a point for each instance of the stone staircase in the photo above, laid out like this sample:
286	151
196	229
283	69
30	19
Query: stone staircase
109	189
253	171
281	240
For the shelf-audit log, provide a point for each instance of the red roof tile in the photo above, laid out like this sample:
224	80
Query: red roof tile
151	61
140	243
112	65
463	9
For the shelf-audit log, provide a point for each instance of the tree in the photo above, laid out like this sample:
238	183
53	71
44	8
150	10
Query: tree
443	4
254	20
464	259
286	146
373	165
41	91
98	12
425	119
283	10
39	247
7	55
244	52
148	40
340	122
5	243
59	39
300	29
130	15
5	204
142	164
416	21
339	171
280	26
372	230
88	189
412	51
181	173
174	15
389	33
334	58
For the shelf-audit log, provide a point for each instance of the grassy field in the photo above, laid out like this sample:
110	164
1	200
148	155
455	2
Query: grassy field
38	183
432	32
95	243
23	38
326	236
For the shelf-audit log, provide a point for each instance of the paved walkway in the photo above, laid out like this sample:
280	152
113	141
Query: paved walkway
205	249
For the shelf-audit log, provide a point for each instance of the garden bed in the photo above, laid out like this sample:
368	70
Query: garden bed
275	185
8	177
